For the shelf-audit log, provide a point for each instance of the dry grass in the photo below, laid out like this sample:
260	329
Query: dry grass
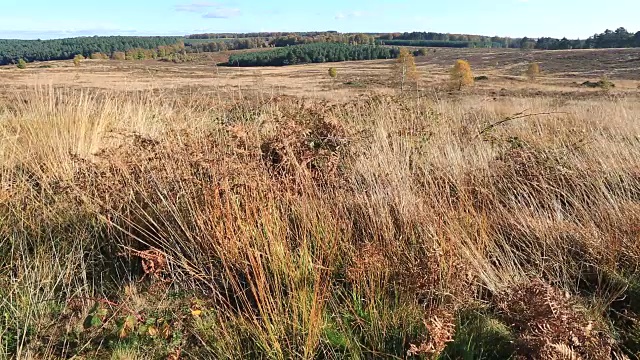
562	72
291	228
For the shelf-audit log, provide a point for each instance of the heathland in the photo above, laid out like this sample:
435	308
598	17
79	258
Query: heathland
162	210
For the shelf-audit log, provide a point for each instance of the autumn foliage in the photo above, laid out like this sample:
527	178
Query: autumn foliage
77	60
405	68
533	71
461	74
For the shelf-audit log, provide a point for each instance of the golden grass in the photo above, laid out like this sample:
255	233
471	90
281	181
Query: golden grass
310	230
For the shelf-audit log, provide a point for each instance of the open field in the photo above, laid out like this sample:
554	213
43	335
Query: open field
154	210
563	71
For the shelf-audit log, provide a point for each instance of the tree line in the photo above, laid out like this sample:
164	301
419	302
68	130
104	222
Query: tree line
429	43
132	47
619	38
257	34
312	53
434	39
63	49
226	44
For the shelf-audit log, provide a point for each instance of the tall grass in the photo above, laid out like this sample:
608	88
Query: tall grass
288	228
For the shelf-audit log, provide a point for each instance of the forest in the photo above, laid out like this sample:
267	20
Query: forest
429	43
152	47
213	44
257	34
619	38
62	49
312	53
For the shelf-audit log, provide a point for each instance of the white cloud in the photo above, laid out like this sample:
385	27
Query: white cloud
197	6
222	13
351	15
209	9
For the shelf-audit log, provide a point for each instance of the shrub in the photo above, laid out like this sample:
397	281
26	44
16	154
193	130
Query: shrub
21	64
99	56
420	52
333	73
604	83
118	55
550	323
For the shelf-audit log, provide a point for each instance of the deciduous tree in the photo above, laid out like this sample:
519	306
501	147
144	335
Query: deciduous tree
533	71
461	74
405	68
77	59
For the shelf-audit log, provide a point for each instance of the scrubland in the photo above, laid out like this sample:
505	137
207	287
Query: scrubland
165	224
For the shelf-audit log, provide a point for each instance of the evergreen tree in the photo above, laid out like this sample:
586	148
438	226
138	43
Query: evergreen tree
310	53
65	49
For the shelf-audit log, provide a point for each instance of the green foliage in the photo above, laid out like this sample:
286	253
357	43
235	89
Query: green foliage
620	38
379	325
312	53
13	335
333	73
429	43
449	40
223	42
65	49
22	64
97	316
480	336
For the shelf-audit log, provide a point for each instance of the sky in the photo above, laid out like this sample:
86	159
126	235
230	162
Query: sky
46	19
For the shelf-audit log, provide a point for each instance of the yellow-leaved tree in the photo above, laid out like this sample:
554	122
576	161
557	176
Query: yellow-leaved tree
461	74
405	69
533	71
77	59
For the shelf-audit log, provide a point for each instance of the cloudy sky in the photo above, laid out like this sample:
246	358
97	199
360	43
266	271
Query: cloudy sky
534	18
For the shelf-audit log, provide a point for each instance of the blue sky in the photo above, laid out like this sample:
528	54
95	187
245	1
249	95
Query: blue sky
557	18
